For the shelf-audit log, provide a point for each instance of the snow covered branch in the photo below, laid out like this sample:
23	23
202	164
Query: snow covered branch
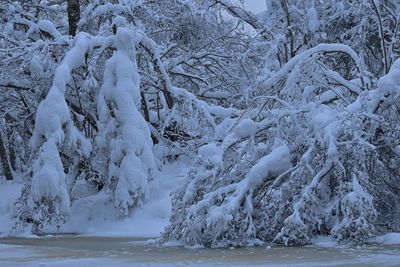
124	139
231	199
55	133
321	48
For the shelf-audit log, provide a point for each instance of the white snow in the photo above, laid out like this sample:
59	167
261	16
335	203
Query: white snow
125	137
9	192
49	178
211	153
36	66
273	164
313	178
388	90
388	239
390	83
312	19
94	216
53	129
341	48
245	127
48	26
324	241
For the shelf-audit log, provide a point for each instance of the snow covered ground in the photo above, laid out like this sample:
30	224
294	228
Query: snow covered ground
9	192
147	221
91	216
103	240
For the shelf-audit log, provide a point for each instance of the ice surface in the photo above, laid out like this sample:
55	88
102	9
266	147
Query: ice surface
105	252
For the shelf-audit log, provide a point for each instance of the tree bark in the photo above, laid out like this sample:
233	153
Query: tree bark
74	15
4	160
381	36
9	120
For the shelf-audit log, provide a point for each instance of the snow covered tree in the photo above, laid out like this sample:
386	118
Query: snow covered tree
181	74
66	125
303	162
55	136
290	115
29	54
124	141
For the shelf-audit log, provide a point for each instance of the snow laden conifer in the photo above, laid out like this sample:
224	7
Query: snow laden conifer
316	157
124	142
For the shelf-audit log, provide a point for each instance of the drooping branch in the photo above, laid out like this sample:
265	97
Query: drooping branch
54	134
245	16
239	12
122	128
321	48
151	48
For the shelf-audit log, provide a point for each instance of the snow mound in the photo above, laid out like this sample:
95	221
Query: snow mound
389	239
9	192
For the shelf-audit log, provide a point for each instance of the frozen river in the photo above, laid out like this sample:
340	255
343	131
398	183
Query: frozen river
101	251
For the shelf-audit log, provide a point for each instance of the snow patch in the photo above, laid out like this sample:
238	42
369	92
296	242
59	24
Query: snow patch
388	239
9	192
245	127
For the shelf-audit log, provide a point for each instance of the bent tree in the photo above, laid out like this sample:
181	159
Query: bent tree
317	157
123	136
290	116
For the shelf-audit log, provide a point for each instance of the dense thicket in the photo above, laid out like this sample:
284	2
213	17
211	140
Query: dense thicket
290	115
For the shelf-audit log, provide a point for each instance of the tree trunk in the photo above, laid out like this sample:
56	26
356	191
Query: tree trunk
74	15
9	120
4	160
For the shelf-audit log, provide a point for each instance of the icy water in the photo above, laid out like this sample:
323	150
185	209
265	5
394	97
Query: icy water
98	251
